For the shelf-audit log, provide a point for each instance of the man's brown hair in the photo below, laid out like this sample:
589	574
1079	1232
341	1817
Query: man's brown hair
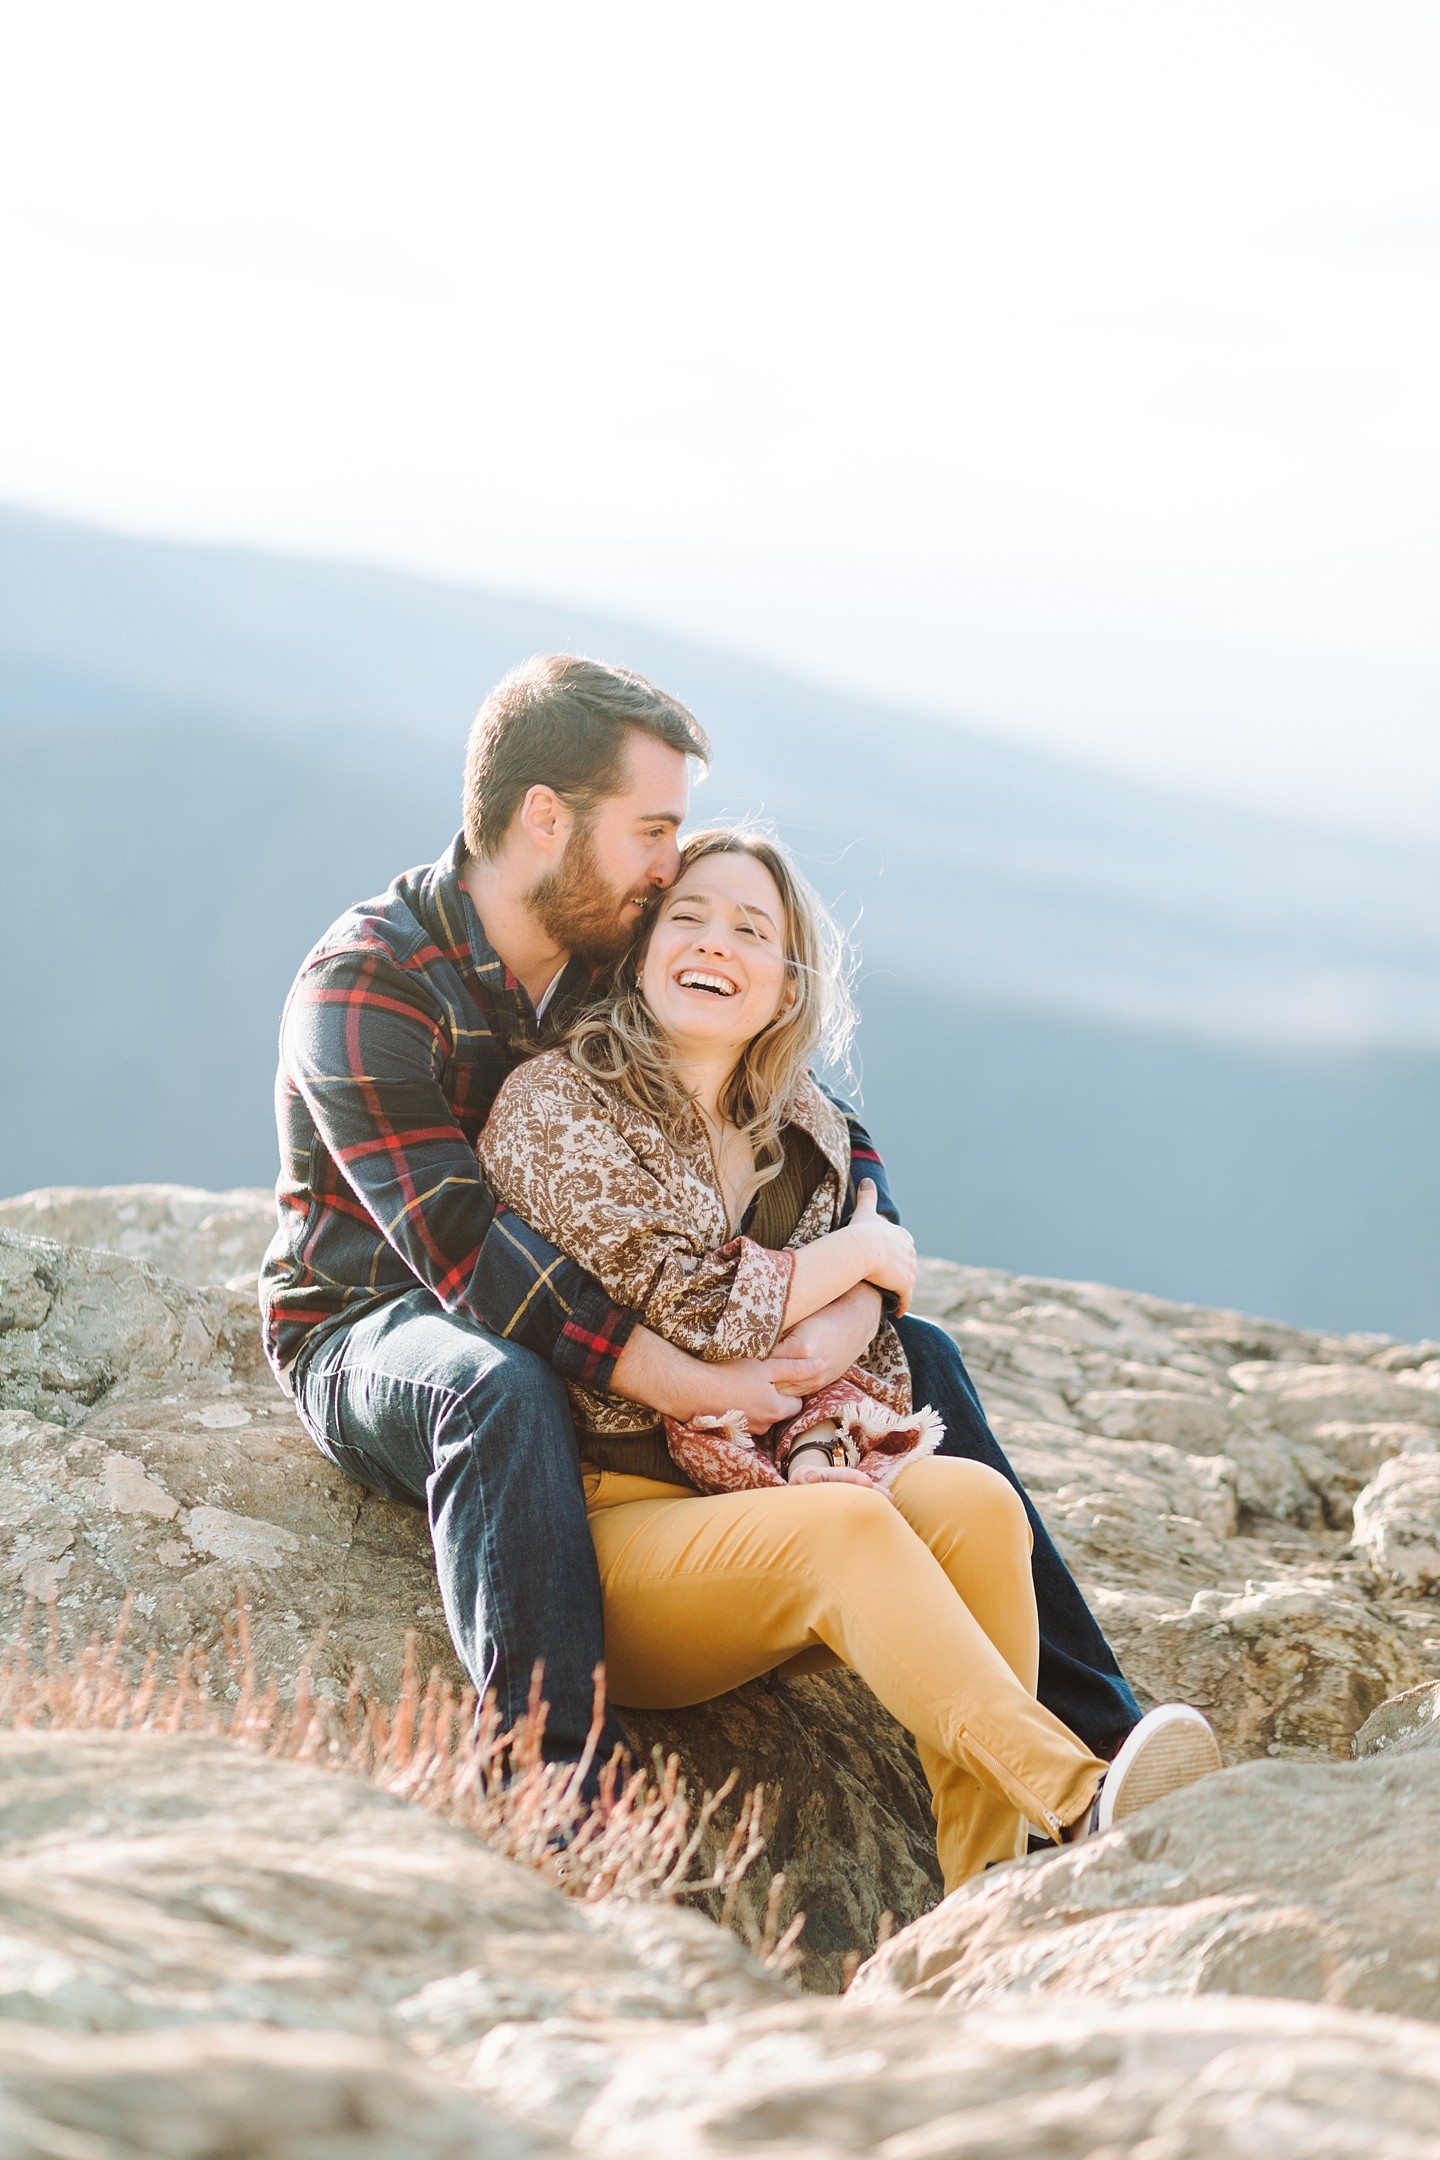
560	722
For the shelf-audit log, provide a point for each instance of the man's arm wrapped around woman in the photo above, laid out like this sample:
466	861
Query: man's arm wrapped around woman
598	1178
587	1169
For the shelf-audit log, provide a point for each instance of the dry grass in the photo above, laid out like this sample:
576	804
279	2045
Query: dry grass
640	1839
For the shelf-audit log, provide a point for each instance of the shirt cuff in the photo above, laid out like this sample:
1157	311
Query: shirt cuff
589	1344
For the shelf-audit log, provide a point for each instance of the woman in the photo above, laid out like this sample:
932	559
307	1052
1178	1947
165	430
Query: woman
679	1150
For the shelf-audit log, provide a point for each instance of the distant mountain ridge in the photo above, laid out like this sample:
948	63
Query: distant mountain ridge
1107	1033
991	870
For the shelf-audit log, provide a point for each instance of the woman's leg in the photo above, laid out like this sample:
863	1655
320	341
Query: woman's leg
703	1594
975	1524
1079	1678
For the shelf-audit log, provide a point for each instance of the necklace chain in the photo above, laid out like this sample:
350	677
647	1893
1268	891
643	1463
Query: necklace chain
720	1128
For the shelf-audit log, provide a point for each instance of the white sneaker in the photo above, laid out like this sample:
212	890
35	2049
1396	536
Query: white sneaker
1170	1748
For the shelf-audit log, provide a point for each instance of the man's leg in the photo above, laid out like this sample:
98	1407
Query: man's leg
1080	1682
431	1410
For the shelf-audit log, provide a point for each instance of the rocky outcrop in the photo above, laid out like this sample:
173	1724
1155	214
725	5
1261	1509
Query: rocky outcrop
146	1452
248	2092
215	1956
1289	1668
210	1952
1397	1523
1250	1507
200	1237
1245	1504
1074	2081
152	1880
1407	1722
1274	1879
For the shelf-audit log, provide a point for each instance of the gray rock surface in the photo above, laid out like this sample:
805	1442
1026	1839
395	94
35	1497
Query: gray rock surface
200	1237
236	2093
1299	1401
1403	1724
145	1450
209	1955
76	1325
1279	1879
1397	1523
1078	2081
158	1880
1288	1668
282	1961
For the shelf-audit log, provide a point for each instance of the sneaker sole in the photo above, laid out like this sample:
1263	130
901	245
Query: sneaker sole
1177	1750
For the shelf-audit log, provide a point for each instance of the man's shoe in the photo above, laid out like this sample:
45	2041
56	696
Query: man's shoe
1170	1748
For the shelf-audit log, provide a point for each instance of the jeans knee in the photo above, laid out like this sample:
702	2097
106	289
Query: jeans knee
517	1384
513	1425
929	1346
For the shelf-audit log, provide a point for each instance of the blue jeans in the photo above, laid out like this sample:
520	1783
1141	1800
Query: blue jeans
1080	1681
433	1411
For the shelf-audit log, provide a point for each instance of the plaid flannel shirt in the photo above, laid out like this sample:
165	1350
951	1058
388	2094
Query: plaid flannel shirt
397	1034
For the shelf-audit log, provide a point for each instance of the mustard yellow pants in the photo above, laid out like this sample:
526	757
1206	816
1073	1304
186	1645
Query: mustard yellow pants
930	1601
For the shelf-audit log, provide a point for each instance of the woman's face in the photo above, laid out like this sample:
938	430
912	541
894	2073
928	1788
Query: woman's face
714	972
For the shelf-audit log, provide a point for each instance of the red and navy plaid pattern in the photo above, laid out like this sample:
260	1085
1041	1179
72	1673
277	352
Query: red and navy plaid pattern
400	1028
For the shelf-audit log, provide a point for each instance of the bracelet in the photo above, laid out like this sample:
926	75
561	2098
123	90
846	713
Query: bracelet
815	1447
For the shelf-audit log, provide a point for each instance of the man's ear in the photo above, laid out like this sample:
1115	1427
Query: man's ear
544	819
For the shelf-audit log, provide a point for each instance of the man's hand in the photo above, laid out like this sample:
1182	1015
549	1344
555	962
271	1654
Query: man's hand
768	1390
651	1371
836	1335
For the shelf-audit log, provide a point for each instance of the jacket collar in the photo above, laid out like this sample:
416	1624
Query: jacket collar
815	1114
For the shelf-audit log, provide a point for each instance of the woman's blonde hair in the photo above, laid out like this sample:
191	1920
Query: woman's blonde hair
621	1041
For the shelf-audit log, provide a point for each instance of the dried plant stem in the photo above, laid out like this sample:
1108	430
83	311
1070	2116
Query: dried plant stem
639	1837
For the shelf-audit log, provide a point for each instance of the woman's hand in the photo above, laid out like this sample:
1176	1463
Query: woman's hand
889	1250
808	1465
815	1472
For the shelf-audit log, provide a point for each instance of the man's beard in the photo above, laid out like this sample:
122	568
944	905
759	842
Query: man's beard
584	915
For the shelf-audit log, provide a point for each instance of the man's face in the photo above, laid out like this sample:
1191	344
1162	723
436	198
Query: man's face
593	902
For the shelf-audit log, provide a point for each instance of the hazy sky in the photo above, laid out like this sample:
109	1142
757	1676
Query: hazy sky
1071	369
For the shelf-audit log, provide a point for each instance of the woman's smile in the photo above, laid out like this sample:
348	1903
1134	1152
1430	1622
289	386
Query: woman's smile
715	969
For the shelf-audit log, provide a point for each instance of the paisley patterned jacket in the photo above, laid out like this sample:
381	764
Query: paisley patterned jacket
574	1158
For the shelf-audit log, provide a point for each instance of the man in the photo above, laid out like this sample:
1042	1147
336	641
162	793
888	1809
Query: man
425	1337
